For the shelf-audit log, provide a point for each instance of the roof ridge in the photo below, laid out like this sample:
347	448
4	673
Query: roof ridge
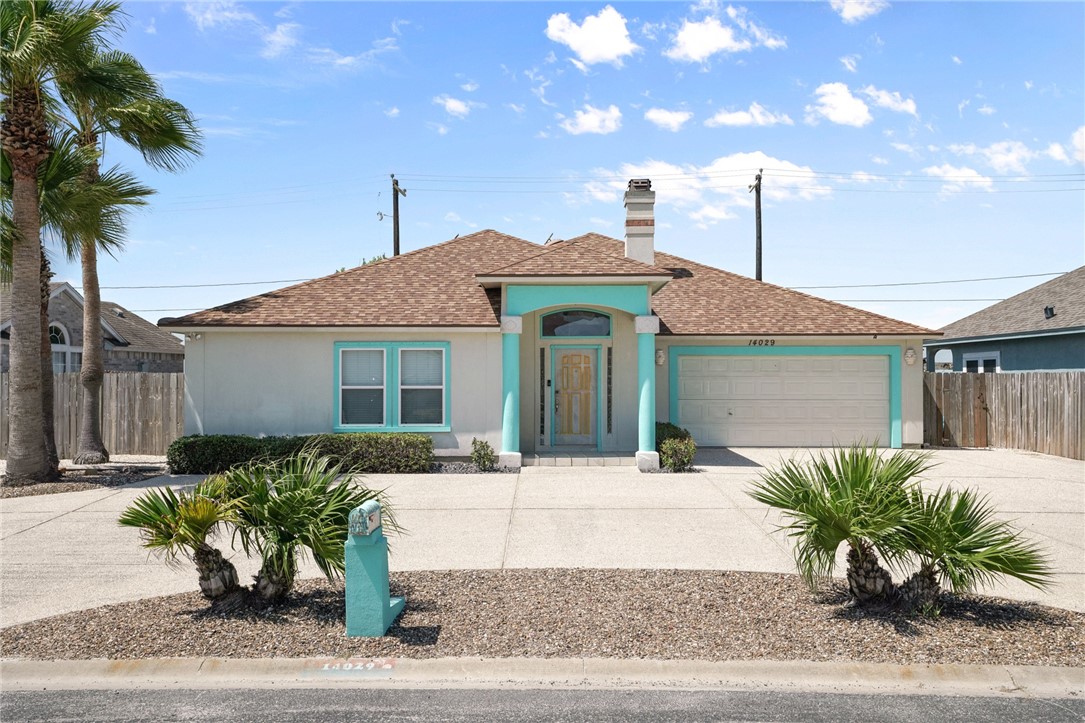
565	245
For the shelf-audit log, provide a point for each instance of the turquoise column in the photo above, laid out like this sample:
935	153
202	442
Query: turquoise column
511	327
646	376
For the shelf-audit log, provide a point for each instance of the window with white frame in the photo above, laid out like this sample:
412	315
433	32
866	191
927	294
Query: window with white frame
392	386
66	358
421	386
361	387
982	362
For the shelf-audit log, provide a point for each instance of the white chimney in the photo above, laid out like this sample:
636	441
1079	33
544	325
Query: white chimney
640	221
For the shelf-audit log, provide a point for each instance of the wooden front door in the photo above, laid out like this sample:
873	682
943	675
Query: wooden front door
575	401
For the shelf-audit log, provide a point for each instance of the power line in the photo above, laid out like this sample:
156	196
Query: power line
908	301
200	286
928	283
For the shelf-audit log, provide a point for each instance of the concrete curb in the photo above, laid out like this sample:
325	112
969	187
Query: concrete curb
208	673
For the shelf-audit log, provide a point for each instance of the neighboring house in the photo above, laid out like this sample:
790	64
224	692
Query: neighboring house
132	344
574	345
1039	329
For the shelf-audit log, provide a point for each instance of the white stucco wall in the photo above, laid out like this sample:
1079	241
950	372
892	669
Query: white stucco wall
281	382
911	375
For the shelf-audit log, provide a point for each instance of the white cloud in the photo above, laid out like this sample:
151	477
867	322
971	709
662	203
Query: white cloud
864	177
440	128
515	108
1078	141
601	38
958	179
1056	152
470	86
892	100
696	42
904	148
392	112
838	105
856	11
1029	84
762	37
150	28
539	86
956	60
208	15
1003	157
671	120
456	107
851	62
961	106
709	194
279	40
755	116
327	56
879	160
985	110
593	120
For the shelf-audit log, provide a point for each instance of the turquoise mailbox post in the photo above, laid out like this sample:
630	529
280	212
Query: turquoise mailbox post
370	609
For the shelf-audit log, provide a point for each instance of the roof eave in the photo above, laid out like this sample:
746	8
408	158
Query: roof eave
1007	336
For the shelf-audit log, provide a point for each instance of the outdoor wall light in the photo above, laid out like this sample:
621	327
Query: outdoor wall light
660	357
909	356
194	337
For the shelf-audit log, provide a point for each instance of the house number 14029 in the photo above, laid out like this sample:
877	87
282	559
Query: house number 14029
762	342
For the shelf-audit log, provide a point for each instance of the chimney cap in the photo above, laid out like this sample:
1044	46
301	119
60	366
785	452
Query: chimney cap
640	184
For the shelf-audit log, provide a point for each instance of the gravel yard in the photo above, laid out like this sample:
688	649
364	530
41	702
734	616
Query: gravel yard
660	614
119	471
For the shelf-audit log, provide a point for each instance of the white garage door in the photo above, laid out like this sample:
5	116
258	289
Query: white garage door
784	401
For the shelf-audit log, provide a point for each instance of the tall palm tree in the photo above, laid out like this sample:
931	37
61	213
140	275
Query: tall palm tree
40	42
115	96
849	495
71	208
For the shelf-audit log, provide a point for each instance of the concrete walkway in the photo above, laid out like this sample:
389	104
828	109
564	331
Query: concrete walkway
60	553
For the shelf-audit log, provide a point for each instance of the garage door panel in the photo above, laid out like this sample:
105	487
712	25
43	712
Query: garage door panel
784	400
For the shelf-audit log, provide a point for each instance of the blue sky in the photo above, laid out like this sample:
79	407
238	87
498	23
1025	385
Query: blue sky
901	142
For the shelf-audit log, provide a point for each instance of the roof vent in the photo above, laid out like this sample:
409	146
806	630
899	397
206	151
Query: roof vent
1049	311
119	312
640	184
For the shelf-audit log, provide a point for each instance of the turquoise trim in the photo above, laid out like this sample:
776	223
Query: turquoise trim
646	383
391	386
600	380
510	392
543	337
893	352
520	300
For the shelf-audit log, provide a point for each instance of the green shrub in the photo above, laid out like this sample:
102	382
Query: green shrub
666	430
482	454
372	452
676	454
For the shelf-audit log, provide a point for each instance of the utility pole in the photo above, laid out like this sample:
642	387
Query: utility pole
396	193
756	188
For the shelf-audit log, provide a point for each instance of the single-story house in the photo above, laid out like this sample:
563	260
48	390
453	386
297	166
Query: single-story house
1042	328
580	344
131	343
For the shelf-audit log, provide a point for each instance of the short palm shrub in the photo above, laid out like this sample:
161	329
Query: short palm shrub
286	509
483	456
875	505
180	524
677	453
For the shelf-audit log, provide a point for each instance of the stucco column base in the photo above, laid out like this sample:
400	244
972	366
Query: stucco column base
512	460
648	461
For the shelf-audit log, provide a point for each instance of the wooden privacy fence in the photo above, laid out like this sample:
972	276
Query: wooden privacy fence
141	412
1034	411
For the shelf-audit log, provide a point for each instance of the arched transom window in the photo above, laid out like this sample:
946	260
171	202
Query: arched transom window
66	358
576	322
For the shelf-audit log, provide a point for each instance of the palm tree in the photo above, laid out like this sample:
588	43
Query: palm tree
71	208
292	506
180	524
115	96
960	544
848	495
40	42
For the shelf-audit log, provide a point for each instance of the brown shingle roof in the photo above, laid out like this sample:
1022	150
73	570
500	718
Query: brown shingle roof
565	259
1024	312
438	286
702	300
433	286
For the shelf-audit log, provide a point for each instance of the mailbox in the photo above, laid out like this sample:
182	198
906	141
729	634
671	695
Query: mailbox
370	608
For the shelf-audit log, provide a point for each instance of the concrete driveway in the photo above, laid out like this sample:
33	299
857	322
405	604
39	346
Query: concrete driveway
60	553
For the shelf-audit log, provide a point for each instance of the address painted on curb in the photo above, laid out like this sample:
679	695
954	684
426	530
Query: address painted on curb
350	668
